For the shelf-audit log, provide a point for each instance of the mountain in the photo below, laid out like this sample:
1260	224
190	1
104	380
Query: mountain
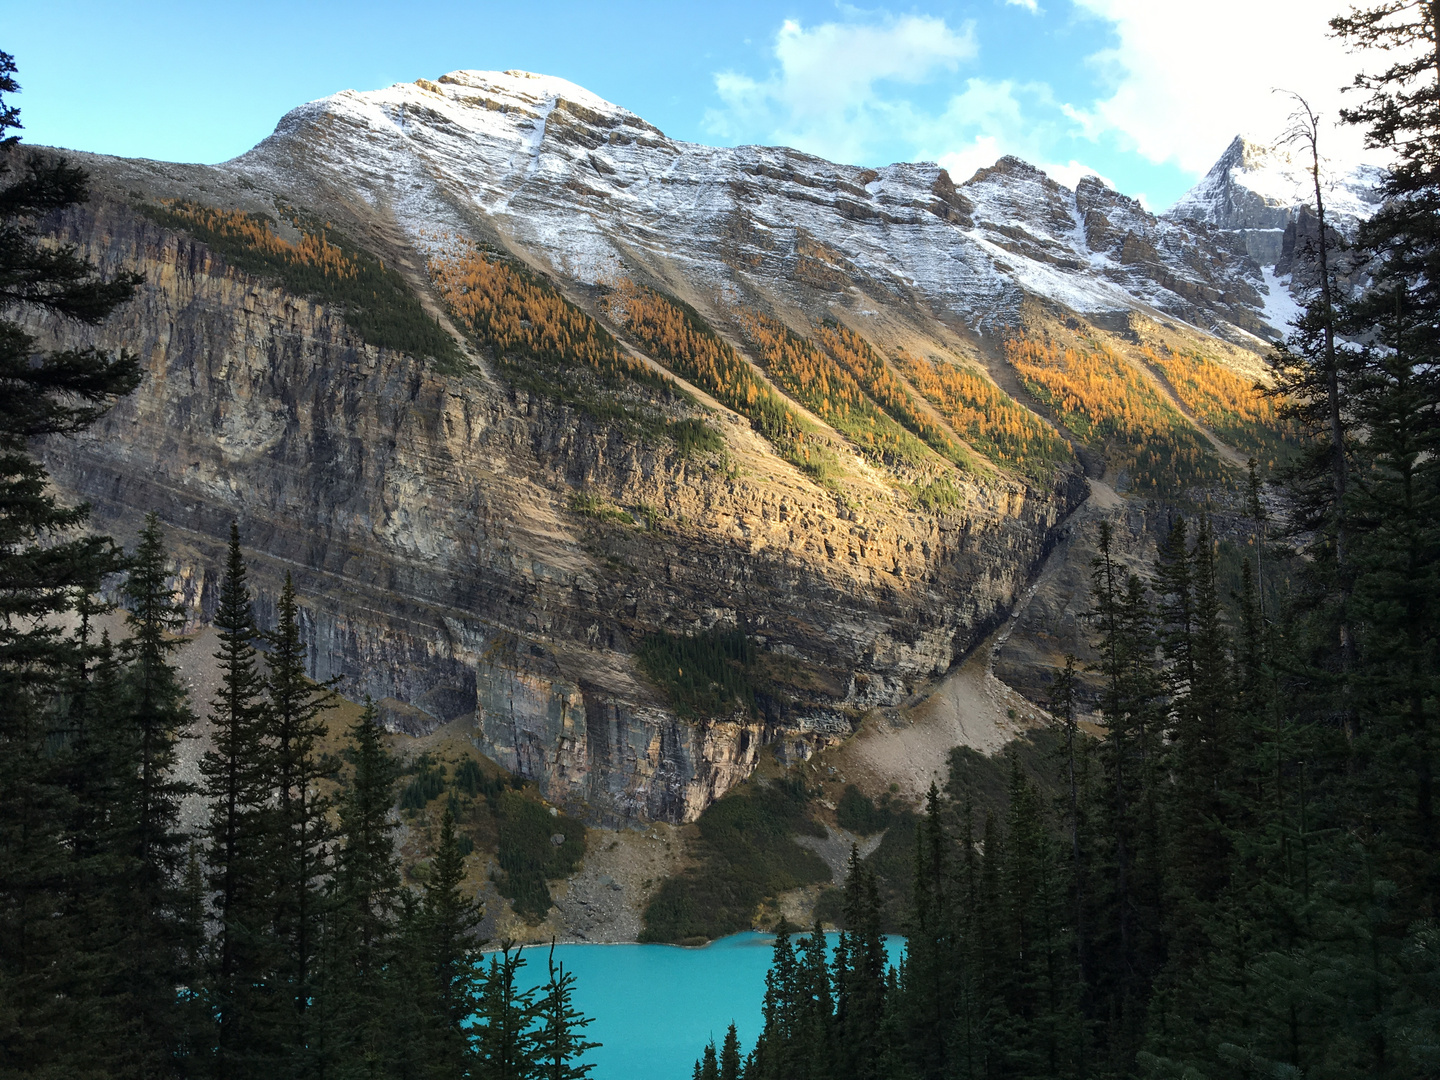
544	409
582	184
1257	192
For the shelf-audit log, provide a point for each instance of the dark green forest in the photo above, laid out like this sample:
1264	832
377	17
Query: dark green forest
1239	875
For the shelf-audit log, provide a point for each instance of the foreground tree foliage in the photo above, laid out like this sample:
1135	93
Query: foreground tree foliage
279	941
1240	877
67	827
1231	884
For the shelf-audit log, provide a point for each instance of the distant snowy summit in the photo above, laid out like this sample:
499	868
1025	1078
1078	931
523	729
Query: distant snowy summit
1257	192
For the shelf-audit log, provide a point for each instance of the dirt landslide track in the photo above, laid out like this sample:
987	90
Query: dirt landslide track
910	746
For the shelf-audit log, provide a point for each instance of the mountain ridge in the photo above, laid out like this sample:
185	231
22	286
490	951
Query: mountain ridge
866	405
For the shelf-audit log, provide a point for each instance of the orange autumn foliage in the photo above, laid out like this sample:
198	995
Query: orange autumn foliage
522	317
1109	404
854	354
680	339
256	232
813	377
984	415
1227	403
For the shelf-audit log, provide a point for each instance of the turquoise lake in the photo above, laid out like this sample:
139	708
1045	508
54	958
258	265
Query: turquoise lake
655	1006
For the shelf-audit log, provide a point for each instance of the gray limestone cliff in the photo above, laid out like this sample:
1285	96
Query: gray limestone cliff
429	523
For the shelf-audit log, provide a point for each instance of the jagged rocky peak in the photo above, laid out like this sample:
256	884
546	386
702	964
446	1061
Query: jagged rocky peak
580	186
1257	191
1013	192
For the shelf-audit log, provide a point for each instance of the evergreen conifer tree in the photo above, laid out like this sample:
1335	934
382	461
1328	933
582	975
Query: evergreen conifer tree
238	791
449	953
301	834
730	1066
360	981
46	565
504	1035
1127	917
559	1040
928	975
709	1063
152	715
860	975
814	1009
776	1048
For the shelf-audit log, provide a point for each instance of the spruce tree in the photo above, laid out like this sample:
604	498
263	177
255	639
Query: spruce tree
709	1063
46	565
504	1034
559	1038
730	1066
360	981
776	1049
1128	949
301	833
814	1009
927	978
240	828
860	976
94	754
449	947
1075	754
1042	1030
153	715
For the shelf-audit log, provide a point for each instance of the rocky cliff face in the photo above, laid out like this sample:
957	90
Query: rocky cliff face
474	552
427	520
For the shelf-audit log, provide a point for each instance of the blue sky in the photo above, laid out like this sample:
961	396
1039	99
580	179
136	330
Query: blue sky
1144	93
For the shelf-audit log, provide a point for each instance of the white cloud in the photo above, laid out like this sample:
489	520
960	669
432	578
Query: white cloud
982	152
1188	78
990	119
1071	173
1029	5
823	98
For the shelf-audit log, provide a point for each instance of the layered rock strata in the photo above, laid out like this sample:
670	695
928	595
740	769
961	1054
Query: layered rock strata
428	523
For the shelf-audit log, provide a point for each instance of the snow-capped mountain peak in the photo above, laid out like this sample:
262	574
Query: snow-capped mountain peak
586	187
1257	191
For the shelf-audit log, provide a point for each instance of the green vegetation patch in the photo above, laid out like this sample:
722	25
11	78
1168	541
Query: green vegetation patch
856	812
748	855
710	674
529	856
977	781
325	265
892	862
427	783
983	782
471	780
937	495
598	509
695	437
499	813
